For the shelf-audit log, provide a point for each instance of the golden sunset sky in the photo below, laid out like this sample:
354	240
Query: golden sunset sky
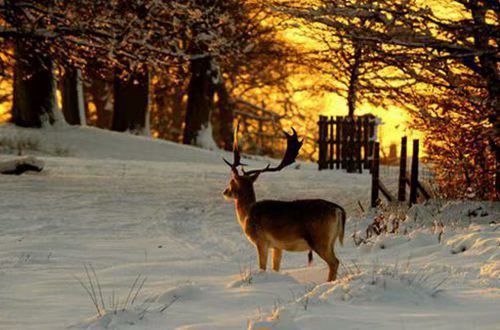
395	120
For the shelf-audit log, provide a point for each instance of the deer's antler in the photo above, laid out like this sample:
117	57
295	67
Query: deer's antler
236	153
293	146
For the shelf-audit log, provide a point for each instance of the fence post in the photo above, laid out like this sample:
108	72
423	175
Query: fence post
371	143
352	146
375	174
322	142
338	138
402	171
330	141
359	160
344	143
414	174
366	137
497	175
349	144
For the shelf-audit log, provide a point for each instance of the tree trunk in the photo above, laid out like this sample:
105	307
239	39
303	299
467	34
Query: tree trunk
131	106
72	97
353	81
99	90
200	99
226	116
489	71
34	87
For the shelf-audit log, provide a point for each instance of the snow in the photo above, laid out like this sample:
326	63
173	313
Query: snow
94	143
133	206
205	139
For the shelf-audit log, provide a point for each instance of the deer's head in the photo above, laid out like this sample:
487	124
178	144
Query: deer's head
241	185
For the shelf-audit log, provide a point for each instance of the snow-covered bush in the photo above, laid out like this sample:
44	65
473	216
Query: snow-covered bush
18	144
115	311
32	142
389	283
434	216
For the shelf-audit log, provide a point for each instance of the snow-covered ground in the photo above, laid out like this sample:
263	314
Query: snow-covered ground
135	210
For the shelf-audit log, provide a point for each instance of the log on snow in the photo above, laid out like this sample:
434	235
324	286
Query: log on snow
18	166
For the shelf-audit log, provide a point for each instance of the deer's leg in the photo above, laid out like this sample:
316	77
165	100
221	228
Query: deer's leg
332	274
326	253
262	250
277	253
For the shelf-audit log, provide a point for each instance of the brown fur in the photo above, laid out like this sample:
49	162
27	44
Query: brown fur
301	225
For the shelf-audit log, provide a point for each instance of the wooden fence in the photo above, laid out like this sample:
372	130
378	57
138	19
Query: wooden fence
346	142
351	144
412	180
261	128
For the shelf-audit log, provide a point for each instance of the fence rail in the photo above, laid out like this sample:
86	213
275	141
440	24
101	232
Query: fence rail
391	178
346	142
351	143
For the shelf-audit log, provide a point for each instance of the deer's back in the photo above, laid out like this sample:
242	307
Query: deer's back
298	210
290	220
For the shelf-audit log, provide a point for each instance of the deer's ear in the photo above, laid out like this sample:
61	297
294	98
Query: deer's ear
254	177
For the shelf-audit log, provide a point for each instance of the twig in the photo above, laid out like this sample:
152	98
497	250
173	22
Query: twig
130	292
91	284
98	286
361	207
138	290
435	289
89	293
168	304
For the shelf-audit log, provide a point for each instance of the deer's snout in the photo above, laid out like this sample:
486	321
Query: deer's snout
228	193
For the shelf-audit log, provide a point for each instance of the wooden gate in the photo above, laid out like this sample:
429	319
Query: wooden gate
346	142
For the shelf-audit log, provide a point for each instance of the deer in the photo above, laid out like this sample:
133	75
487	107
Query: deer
299	225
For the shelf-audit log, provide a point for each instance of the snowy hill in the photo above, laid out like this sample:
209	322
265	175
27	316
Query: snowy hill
94	143
151	213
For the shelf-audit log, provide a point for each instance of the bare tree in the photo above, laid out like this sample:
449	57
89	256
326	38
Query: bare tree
73	96
443	67
41	35
207	37
240	49
131	103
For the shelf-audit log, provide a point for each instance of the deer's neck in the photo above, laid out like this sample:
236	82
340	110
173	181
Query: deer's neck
243	206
